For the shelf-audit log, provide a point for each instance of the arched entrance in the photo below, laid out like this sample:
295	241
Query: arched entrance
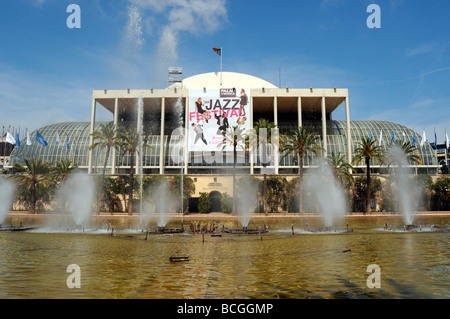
216	199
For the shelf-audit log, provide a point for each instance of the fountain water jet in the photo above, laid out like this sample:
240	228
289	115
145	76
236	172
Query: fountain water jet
247	200
6	198
325	195
159	205
78	193
406	197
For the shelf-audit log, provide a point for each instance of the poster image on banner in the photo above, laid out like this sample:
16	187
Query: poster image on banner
212	112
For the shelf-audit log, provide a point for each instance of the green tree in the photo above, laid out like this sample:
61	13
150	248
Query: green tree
359	192
62	170
366	151
226	203
276	193
292	195
411	153
440	194
105	137
34	175
299	142
129	141
261	136
204	203
341	169
119	186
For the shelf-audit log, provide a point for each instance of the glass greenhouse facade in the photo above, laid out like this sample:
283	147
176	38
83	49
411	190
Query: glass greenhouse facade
77	136
181	138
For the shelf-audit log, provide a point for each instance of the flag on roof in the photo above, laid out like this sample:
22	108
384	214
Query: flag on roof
57	139
424	138
393	136
447	141
218	51
40	139
10	139
28	139
381	138
17	140
67	142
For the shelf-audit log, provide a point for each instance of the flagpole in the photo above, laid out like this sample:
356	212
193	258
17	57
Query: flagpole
3	148
436	150
446	149
221	54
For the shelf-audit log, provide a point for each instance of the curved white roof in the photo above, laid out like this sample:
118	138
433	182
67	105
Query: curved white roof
229	79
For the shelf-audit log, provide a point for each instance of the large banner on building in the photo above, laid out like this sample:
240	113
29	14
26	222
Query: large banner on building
212	112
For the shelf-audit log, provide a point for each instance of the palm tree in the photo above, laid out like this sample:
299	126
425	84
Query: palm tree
299	142
105	137
341	169
63	169
366	151
410	152
257	138
34	173
236	137
129	141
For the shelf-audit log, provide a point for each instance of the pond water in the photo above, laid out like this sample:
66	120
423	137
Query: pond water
276	264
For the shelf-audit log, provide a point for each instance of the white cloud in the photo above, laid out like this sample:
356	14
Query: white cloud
421	49
168	19
38	2
195	16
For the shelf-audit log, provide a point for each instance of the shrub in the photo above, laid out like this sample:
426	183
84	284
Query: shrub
226	203
204	203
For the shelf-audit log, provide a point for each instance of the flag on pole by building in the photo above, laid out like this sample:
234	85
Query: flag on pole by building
381	138
40	139
58	141
447	141
10	139
67	142
424	138
17	140
435	139
393	136
219	52
28	138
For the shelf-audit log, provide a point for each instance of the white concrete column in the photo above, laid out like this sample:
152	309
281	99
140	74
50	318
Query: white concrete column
349	138
138	130
116	121
253	147
91	138
324	127
299	111
161	150
275	120
186	133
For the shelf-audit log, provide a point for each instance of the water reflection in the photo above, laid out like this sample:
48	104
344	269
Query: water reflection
280	265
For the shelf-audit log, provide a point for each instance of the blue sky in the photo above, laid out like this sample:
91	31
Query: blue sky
399	72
